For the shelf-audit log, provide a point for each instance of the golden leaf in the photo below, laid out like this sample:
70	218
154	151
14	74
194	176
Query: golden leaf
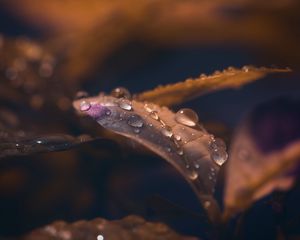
178	93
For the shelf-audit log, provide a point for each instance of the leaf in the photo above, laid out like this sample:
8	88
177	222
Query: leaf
251	174
27	145
178	93
129	228
188	149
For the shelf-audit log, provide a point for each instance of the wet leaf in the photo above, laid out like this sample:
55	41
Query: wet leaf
265	155
131	227
177	137
178	93
25	145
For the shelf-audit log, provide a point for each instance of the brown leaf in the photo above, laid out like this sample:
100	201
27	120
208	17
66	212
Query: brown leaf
178	93
190	149
131	227
251	174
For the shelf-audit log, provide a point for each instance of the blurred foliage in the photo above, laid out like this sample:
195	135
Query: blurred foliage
75	46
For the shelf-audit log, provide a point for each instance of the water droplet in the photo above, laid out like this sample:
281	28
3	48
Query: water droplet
150	125
197	165
187	117
169	149
203	75
207	204
167	131
125	104
136	130
120	92
149	107
231	69
135	121
219	156
81	94
177	137
180	151
85	106
107	112
193	175
154	115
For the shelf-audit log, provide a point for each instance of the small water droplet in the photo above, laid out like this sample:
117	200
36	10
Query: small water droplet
150	124
154	115
203	75
120	92
187	117
207	204
169	149
197	165
149	107
136	130
85	106
125	104
179	151
81	94
231	69
219	156
107	112
167	131
135	121
193	175
177	137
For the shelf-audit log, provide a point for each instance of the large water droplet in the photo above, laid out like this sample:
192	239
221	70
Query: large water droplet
84	106
167	131
219	156
187	117
135	121
125	104
120	92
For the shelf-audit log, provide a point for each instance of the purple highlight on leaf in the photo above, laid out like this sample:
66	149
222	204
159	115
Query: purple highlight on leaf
97	111
275	124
